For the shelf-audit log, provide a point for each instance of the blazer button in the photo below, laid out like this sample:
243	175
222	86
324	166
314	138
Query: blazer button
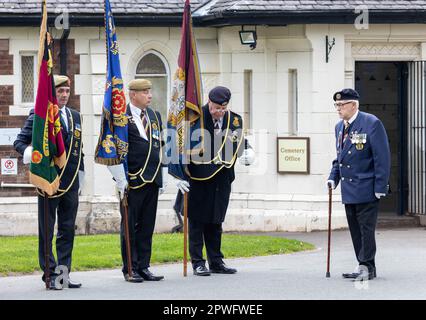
343	178
350	180
348	166
349	152
341	165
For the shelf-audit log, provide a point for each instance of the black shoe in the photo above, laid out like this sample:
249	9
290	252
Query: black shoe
360	276
149	276
73	285
201	271
135	278
55	285
222	268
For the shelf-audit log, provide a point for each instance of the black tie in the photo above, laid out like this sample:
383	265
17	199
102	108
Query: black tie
216	127
346	132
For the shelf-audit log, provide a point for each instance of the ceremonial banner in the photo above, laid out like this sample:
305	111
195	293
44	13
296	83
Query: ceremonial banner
48	145
113	144
185	114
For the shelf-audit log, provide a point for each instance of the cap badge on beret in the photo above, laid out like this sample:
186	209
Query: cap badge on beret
338	96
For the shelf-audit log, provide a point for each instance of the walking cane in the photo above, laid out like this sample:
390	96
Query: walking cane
46	242
329	231
185	233
124	204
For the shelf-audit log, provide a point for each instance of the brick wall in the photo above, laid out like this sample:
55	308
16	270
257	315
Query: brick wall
6	121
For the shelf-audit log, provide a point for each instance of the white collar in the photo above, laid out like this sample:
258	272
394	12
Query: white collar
136	110
351	120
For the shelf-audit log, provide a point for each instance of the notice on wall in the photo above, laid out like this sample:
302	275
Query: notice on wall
9	166
8	136
293	155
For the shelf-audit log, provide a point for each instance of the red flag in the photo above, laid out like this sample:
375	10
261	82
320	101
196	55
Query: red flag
48	145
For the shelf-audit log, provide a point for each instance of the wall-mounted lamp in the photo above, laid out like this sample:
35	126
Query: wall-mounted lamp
248	37
328	47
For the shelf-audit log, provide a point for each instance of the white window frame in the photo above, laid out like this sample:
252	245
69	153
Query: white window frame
167	74
19	93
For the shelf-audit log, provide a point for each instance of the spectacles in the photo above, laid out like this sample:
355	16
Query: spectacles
340	104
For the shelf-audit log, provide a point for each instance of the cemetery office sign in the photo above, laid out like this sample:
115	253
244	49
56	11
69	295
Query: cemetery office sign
293	155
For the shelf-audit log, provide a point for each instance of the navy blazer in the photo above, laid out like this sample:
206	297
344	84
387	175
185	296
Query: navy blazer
365	170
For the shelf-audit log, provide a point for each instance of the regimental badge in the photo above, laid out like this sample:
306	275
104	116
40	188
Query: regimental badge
77	133
154	126
359	139
236	122
338	96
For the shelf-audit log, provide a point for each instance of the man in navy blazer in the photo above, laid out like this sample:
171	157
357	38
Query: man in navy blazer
363	168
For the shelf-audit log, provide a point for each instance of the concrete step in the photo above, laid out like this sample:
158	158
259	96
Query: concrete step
388	221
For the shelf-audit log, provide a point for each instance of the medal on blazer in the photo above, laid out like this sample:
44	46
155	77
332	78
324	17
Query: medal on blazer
359	139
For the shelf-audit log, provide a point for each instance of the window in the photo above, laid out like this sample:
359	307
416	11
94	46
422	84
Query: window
292	102
28	78
153	68
248	75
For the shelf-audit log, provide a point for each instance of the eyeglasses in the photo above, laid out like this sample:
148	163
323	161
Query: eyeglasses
340	104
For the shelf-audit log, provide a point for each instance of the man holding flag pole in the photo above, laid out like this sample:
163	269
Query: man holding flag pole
204	144
50	142
130	144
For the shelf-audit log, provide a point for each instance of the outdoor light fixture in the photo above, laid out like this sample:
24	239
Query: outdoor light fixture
248	37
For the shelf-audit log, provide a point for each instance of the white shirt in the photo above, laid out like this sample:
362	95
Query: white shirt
353	117
136	112
64	117
220	121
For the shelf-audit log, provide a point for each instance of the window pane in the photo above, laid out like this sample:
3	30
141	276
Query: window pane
27	72
159	96
151	64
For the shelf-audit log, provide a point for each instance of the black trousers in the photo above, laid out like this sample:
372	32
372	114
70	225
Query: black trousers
142	212
362	220
211	235
65	207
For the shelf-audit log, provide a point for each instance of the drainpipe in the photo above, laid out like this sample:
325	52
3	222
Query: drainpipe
63	53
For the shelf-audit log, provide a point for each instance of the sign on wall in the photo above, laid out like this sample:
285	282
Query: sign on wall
8	136
9	166
293	155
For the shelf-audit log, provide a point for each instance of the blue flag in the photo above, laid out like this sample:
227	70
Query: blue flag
113	143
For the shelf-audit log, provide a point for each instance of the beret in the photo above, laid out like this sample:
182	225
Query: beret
139	84
346	94
61	81
220	95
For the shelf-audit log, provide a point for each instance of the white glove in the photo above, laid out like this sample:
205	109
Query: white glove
164	177
27	155
183	186
119	175
81	175
379	195
248	157
331	183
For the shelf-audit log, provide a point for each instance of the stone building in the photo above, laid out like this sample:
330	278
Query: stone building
304	52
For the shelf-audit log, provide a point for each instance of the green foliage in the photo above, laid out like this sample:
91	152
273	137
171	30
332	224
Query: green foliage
19	254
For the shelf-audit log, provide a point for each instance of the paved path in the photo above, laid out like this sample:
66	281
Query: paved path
401	267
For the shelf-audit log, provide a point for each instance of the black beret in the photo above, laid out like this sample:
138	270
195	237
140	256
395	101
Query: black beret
220	95
346	94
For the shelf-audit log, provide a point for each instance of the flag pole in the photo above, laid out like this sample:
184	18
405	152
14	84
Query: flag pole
124	204
185	234
46	242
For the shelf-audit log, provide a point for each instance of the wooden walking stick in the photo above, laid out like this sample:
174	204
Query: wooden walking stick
46	242
185	233
124	204
329	231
